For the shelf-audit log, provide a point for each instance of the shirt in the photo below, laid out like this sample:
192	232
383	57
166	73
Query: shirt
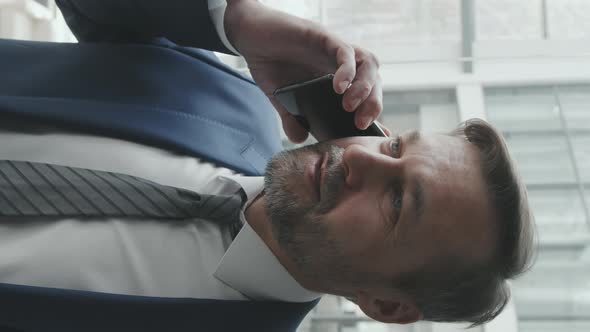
217	13
138	257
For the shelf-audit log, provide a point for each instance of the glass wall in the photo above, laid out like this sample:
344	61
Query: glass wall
533	19
548	133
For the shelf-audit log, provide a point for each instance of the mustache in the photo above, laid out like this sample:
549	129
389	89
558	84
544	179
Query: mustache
334	178
290	162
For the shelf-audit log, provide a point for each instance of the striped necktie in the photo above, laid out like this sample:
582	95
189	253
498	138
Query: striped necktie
29	189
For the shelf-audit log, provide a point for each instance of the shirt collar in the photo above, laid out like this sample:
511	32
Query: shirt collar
269	280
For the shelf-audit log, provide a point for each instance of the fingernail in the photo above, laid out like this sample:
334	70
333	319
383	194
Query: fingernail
343	86
365	121
354	104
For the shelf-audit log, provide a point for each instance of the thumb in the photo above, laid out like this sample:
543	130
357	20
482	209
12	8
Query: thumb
294	131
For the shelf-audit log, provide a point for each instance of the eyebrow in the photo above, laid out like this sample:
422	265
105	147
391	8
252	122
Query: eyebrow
412	137
418	194
418	189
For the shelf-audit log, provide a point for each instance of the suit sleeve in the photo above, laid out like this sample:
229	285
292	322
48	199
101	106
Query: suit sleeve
184	22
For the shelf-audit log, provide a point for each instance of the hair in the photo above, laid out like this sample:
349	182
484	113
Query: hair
455	290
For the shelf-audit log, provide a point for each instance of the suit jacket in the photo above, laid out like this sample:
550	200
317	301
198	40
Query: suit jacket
129	78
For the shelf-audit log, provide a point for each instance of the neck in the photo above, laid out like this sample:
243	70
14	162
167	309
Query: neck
260	222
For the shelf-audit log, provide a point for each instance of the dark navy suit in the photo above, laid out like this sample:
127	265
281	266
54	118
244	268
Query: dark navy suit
129	78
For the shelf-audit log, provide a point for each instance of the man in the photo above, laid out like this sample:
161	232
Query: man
410	227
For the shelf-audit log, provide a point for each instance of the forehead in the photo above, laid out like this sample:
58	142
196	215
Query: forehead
448	170
448	167
457	212
440	158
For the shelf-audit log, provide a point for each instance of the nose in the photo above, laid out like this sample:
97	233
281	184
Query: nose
364	167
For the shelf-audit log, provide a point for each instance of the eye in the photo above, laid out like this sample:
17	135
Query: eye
395	146
396	195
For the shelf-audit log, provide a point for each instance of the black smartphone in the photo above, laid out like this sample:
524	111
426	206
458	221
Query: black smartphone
318	107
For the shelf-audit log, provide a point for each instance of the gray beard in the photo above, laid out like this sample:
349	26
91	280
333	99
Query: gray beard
296	222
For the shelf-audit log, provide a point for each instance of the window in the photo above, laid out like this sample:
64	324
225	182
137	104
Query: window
548	133
533	19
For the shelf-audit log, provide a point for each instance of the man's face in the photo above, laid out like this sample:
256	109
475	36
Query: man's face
360	209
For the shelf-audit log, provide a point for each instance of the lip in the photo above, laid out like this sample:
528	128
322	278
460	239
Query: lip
322	172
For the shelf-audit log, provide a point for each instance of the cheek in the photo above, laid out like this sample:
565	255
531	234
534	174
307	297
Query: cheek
356	224
420	245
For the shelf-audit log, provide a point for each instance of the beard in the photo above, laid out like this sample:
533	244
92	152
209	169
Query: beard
296	218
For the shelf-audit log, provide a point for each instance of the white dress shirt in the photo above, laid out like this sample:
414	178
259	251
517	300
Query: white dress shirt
147	257
217	13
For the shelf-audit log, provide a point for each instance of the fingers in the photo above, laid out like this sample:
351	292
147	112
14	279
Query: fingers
358	70
346	71
344	55
365	93
371	107
294	131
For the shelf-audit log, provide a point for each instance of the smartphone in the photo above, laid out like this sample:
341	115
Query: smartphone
318	108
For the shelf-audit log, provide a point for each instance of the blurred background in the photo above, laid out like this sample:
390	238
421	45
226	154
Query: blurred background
523	65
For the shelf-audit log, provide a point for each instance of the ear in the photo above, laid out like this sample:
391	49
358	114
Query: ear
393	310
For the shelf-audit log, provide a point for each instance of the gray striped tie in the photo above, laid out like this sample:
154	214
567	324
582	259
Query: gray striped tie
38	189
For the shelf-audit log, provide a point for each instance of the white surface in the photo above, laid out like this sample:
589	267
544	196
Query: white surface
470	101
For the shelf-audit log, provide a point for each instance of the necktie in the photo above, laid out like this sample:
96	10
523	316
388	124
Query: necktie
39	189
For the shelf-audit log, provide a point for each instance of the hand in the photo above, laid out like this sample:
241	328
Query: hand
281	49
